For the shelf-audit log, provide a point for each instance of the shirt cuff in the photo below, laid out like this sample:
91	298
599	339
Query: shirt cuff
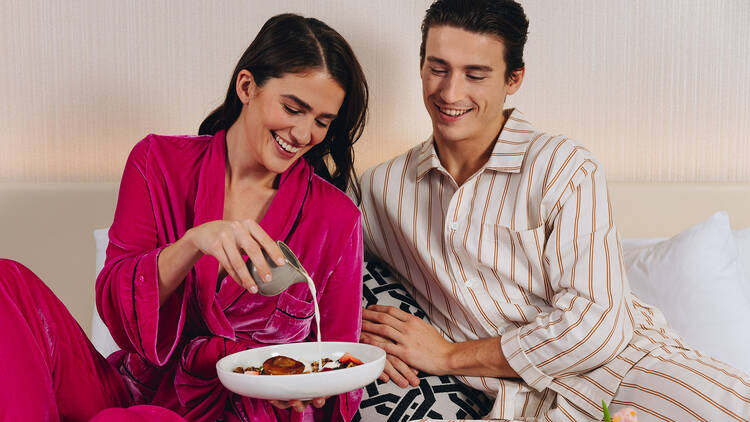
520	362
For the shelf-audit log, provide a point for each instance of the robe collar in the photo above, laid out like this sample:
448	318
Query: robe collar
209	206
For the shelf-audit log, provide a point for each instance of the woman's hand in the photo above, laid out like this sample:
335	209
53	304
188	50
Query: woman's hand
226	241
299	405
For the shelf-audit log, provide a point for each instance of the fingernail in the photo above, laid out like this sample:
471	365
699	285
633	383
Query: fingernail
267	277
253	289
281	261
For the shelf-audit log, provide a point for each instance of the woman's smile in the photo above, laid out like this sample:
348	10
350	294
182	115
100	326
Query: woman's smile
286	147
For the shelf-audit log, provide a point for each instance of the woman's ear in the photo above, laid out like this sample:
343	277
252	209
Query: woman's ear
245	86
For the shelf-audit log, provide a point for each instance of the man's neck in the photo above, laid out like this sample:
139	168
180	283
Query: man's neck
462	159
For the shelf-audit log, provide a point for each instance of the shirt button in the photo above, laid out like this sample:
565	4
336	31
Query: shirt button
454	225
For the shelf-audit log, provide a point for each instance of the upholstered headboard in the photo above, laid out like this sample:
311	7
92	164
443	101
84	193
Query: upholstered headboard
49	227
665	209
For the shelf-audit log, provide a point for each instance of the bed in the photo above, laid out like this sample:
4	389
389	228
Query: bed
681	255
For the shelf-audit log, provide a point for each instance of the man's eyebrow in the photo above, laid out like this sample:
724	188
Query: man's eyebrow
475	67
437	60
303	105
479	67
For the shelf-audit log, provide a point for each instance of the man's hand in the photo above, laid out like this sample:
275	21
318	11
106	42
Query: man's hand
410	342
395	369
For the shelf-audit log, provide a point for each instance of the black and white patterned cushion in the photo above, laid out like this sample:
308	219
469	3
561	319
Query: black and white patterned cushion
437	397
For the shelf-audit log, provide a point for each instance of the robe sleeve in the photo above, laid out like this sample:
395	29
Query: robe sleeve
590	324
127	296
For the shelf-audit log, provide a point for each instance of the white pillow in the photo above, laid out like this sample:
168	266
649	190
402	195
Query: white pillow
102	241
742	237
100	336
697	281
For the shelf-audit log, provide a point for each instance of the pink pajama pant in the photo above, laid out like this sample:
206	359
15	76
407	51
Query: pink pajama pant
49	370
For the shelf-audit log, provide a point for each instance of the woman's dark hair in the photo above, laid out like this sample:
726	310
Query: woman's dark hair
504	19
290	43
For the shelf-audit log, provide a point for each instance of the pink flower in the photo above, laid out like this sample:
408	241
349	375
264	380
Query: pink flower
625	415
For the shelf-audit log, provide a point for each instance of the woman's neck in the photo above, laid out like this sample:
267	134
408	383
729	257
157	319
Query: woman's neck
248	186
242	166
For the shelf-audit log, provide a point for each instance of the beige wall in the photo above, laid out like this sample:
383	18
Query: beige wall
660	91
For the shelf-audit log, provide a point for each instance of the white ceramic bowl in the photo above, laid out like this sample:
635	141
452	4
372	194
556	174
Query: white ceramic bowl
301	386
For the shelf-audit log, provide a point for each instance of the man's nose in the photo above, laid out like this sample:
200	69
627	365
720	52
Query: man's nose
452	89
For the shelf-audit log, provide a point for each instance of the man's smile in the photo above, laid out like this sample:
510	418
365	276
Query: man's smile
452	113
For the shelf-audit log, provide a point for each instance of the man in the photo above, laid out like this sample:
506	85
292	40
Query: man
505	238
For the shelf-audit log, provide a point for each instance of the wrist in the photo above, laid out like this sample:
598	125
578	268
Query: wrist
482	357
452	361
188	237
189	240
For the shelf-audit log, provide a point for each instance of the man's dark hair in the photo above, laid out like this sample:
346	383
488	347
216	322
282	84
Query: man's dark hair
504	19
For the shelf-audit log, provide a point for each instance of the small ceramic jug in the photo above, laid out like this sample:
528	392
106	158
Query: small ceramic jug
282	276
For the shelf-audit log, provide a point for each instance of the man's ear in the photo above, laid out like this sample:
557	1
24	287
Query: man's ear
245	86
515	80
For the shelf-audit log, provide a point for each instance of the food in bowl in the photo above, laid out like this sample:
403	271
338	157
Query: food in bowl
284	365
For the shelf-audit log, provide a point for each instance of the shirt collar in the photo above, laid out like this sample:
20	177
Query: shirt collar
507	154
427	158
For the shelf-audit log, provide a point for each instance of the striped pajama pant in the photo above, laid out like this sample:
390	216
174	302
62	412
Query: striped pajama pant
668	384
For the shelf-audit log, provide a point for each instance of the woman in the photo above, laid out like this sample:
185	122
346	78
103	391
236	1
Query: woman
189	208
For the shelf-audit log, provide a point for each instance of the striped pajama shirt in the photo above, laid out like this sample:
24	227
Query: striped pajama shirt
527	250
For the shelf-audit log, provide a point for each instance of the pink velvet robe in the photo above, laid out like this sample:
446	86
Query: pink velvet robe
171	184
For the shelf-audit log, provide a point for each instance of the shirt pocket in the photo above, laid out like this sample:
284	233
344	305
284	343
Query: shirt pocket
514	256
289	322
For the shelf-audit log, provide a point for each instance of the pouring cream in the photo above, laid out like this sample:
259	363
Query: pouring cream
313	292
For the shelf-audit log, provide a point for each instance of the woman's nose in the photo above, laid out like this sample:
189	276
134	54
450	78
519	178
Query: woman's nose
302	133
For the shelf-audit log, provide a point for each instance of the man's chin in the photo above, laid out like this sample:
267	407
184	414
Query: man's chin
448	134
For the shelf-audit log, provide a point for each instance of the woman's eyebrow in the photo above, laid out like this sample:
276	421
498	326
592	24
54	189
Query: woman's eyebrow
305	106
